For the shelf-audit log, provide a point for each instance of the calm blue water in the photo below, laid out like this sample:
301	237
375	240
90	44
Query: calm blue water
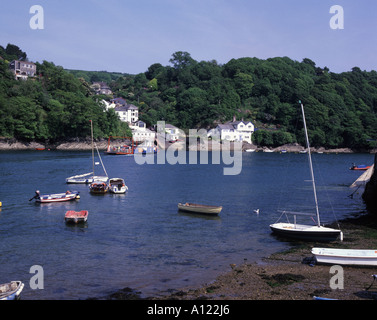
139	239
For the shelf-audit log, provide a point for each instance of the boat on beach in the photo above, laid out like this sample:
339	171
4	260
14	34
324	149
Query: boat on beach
199	208
56	197
304	231
117	185
358	257
11	290
76	217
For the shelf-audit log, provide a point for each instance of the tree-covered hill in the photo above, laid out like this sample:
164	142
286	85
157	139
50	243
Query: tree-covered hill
340	108
54	105
57	104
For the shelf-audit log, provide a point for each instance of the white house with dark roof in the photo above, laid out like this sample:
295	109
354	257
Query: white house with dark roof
233	131
126	112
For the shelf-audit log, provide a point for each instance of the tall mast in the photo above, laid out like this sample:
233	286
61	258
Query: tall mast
91	131
310	164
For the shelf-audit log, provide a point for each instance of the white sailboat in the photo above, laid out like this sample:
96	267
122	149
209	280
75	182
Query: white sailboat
89	177
303	231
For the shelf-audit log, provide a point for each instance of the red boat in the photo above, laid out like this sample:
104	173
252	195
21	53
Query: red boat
76	216
360	167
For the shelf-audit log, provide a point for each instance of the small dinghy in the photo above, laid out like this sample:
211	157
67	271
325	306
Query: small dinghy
358	257
76	216
199	208
11	290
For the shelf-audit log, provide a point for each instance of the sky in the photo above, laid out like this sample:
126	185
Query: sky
128	36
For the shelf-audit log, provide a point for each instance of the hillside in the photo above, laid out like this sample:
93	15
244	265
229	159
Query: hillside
340	107
52	106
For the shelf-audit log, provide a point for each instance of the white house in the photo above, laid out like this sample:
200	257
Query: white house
128	113
172	133
141	133
233	131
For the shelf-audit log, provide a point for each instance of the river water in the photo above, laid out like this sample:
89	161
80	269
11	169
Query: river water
139	239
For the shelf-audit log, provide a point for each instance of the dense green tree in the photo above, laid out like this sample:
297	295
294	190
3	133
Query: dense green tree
57	104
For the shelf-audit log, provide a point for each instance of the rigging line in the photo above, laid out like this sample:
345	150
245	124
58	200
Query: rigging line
100	159
326	192
288	163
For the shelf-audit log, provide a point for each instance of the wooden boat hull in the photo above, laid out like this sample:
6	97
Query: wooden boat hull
11	290
304	232
199	208
346	256
58	197
76	216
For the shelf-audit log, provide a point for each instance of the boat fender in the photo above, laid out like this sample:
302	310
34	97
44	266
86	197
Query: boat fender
341	236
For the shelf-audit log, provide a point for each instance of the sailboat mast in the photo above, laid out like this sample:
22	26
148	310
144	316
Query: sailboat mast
91	131
310	164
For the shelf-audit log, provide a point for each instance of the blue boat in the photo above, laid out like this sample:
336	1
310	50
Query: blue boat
11	290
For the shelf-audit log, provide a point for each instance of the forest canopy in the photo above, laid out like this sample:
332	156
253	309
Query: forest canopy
58	104
340	108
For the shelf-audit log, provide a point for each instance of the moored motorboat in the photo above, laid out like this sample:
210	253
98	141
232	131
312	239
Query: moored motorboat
98	187
72	216
56	197
358	257
11	290
117	185
199	208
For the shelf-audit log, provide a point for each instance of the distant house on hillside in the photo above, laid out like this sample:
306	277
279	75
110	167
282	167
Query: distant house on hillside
23	69
119	102
127	113
233	131
101	88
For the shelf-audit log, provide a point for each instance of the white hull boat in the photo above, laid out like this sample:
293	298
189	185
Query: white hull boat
11	290
359	257
303	231
117	185
306	232
86	178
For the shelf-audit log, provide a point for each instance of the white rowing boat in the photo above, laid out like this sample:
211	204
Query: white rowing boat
358	257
